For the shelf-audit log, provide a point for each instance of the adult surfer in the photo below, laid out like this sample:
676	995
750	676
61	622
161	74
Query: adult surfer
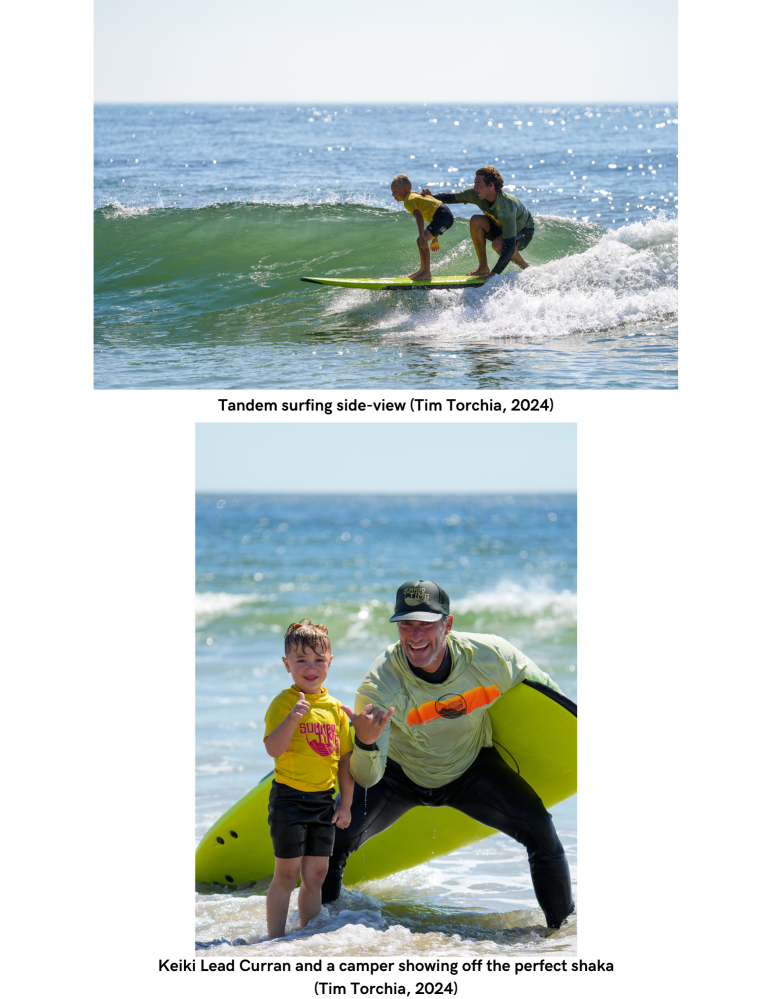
507	223
423	737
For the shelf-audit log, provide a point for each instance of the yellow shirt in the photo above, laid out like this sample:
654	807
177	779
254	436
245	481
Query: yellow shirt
321	737
426	205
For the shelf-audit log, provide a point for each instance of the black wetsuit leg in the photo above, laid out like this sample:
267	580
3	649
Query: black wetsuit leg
491	792
372	811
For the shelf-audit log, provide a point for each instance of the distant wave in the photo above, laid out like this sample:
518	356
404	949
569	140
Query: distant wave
519	601
114	208
212	605
508	603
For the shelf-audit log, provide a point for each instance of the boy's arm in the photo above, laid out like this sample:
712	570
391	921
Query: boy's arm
341	817
279	740
420	220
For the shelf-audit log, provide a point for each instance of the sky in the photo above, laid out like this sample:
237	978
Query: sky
378	458
356	50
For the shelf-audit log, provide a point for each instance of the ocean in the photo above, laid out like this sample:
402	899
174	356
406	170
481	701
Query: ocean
508	563
206	216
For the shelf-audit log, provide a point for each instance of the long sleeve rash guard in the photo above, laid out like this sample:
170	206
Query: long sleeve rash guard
506	211
437	730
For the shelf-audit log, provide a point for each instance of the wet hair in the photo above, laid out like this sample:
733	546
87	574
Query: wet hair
491	176
402	180
305	635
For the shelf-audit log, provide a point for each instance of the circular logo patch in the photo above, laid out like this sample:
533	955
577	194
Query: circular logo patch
451	706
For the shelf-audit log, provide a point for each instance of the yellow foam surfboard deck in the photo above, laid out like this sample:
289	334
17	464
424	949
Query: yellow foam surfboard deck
534	730
400	283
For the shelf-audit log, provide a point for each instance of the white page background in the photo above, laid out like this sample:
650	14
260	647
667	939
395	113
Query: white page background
98	524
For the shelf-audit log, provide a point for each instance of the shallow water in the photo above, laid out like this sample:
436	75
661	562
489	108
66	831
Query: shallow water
207	217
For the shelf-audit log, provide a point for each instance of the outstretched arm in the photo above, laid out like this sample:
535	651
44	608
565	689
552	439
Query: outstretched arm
446	199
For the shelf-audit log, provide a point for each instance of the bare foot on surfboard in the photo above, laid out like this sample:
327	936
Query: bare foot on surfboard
480	272
421	276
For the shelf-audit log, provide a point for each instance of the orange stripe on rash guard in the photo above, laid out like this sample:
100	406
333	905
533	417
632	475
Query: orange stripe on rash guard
453	705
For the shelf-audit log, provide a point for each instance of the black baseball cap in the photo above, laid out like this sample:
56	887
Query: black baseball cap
420	600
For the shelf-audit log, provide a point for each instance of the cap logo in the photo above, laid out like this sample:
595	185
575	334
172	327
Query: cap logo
415	595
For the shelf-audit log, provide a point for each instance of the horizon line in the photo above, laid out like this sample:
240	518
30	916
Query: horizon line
324	492
412	103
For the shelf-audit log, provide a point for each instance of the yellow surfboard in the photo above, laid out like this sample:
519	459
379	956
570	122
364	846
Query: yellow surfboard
534	730
400	283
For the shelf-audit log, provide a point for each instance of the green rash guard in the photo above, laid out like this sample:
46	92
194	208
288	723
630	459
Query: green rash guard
438	729
507	210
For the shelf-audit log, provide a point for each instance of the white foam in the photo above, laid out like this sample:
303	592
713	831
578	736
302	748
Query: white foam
334	198
211	605
236	925
515	599
659	230
211	769
629	277
116	210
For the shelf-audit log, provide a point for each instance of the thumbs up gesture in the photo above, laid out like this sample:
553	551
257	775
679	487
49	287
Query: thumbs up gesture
301	708
278	741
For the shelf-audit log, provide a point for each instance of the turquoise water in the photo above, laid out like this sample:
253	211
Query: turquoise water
509	565
207	216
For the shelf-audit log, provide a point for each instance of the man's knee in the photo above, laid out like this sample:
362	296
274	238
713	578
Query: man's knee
542	836
480	222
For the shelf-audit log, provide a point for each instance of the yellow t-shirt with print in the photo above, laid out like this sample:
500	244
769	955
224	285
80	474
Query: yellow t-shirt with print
426	205
321	737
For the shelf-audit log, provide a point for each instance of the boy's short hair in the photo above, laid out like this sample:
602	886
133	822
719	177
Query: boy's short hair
401	180
491	176
305	635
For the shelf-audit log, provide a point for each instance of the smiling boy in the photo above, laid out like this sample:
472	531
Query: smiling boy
307	733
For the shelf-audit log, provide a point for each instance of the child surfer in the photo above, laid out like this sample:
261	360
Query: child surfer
308	734
424	209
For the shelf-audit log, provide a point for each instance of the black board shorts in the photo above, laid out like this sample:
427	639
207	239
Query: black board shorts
441	222
300	822
523	238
